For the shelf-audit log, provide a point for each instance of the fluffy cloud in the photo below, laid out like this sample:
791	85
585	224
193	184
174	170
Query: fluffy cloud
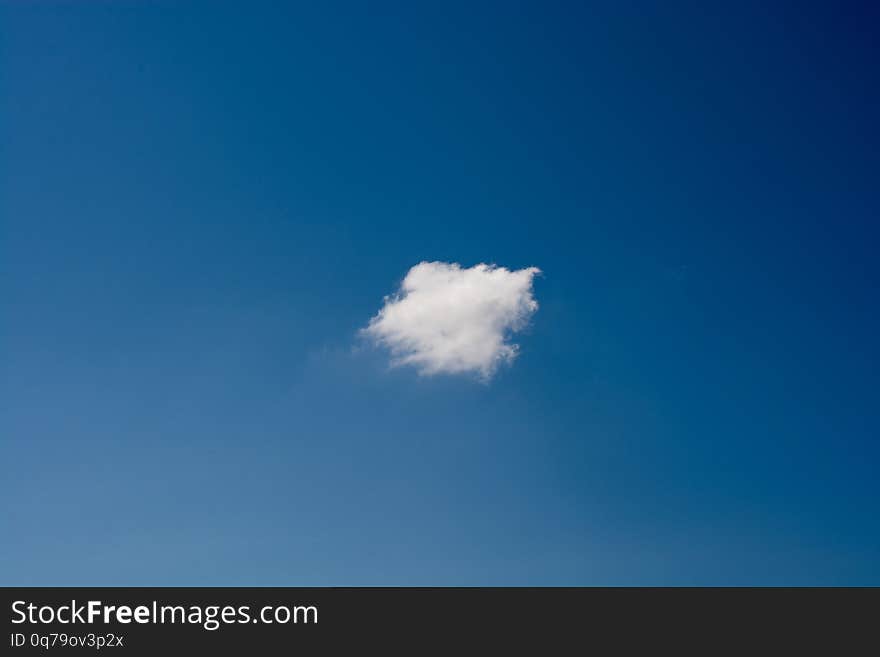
447	319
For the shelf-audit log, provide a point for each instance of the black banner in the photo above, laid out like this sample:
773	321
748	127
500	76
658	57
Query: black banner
136	621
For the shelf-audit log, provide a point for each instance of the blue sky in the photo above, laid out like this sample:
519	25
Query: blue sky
201	204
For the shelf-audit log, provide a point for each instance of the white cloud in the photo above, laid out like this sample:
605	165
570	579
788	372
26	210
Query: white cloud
446	319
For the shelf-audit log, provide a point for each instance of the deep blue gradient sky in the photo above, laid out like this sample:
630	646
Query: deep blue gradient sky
202	203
